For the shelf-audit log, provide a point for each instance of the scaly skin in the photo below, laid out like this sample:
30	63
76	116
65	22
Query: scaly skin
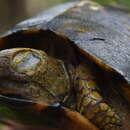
90	103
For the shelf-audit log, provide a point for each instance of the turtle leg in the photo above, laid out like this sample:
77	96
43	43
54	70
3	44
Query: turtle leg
91	104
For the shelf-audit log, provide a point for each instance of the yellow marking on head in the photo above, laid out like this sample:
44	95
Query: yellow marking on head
27	60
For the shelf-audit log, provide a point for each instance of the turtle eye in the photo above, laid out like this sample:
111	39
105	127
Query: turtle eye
26	62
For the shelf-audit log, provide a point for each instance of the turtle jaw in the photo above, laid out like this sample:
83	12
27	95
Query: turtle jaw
27	112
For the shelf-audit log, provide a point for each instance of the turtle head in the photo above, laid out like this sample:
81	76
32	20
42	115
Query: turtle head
32	76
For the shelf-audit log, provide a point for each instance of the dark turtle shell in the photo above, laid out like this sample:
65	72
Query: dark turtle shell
100	34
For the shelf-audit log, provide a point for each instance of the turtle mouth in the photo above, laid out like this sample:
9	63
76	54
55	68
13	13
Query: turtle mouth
14	97
13	89
22	91
17	99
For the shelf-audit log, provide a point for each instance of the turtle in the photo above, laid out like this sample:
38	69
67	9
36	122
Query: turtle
68	72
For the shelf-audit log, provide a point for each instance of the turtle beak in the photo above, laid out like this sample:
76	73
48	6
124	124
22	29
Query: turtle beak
7	75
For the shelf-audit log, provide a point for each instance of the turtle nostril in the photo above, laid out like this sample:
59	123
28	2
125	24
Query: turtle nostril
26	62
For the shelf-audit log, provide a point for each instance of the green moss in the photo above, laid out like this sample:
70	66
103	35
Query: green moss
120	3
5	111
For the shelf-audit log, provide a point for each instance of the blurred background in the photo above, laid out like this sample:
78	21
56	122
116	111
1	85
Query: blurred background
14	11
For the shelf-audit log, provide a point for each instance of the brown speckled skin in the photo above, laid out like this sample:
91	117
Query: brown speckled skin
98	35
